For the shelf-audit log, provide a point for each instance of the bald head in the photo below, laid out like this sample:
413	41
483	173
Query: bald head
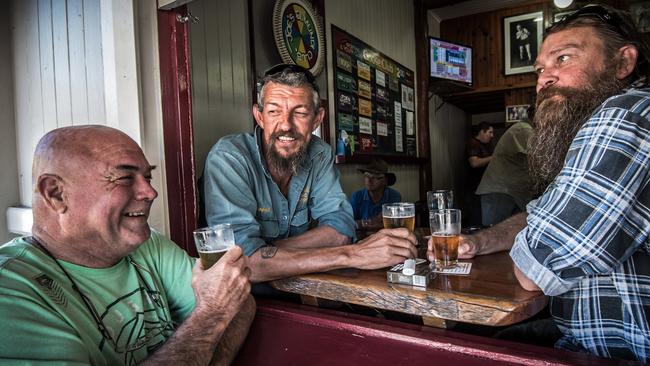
68	148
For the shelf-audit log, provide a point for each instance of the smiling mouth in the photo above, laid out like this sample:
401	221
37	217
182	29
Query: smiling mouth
286	138
135	214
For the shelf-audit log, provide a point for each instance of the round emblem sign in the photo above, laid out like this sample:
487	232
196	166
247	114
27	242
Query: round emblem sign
299	34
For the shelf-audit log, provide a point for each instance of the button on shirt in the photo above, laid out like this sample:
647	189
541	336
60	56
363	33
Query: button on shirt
239	190
586	243
363	206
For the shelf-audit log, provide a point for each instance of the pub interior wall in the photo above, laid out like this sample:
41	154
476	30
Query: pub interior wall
387	25
77	63
448	133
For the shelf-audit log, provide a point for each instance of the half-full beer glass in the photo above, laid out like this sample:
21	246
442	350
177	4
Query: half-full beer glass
213	242
440	199
445	235
401	214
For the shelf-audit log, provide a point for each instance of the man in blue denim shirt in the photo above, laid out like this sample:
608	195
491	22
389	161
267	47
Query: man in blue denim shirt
585	241
280	190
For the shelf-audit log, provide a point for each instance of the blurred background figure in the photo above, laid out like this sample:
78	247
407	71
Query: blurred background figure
506	186
366	203
479	154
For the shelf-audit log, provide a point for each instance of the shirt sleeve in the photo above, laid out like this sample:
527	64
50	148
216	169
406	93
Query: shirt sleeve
591	218
520	138
229	198
34	333
329	204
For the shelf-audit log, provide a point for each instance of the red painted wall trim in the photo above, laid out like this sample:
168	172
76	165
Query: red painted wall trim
177	126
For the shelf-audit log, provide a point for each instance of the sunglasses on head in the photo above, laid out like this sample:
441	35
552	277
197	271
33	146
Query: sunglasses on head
596	11
291	68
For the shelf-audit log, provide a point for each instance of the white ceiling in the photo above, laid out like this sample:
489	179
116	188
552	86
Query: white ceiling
470	7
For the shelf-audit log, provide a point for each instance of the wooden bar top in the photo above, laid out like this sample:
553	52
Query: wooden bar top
489	295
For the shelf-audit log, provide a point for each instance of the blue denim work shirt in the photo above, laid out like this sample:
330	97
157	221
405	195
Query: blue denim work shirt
240	190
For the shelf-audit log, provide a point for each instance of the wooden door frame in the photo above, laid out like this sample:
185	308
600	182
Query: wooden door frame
176	85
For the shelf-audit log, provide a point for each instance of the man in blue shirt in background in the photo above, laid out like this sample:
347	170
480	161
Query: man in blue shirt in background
585	242
366	203
280	190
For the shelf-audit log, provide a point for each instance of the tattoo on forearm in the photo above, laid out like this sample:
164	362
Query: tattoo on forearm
268	251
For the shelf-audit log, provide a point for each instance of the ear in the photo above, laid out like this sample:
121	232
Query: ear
50	188
320	114
629	55
258	116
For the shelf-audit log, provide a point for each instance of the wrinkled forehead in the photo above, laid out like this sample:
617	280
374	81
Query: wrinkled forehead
111	153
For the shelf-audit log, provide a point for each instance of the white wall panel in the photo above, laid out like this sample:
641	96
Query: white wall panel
386	25
221	80
8	161
58	72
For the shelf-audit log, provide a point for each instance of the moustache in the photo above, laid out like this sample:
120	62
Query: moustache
290	134
552	91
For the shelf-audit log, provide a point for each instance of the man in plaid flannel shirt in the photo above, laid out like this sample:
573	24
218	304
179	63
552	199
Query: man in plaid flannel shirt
584	241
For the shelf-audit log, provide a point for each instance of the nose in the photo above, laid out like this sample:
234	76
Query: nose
545	80
285	122
144	190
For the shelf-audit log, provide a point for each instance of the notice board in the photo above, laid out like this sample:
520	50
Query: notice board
374	100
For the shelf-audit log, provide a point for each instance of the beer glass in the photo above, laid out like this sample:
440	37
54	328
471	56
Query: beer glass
213	242
401	214
445	235
440	199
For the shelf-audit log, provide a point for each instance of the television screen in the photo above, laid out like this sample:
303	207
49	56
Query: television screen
450	61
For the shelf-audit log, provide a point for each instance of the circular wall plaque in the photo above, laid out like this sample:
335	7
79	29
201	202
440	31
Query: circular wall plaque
298	34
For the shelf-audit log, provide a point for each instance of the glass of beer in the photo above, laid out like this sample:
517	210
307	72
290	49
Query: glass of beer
440	200
213	242
401	214
445	235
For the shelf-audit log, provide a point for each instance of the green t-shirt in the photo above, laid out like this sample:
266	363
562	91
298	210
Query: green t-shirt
44	320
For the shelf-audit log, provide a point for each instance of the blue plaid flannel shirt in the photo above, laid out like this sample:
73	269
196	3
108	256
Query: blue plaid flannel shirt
586	243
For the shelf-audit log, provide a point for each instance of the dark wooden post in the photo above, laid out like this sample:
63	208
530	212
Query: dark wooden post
422	108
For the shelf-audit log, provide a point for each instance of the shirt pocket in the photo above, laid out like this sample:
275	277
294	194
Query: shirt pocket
270	228
300	222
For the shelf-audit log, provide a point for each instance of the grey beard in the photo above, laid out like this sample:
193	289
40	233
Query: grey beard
556	123
285	166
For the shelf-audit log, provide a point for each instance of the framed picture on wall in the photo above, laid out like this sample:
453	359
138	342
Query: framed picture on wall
516	113
522	40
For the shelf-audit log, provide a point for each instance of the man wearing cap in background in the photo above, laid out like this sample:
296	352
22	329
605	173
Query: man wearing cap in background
279	189
366	203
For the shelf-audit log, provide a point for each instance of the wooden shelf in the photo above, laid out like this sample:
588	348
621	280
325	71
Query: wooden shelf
361	158
484	99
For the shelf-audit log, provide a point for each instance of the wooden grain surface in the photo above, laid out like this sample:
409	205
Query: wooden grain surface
489	295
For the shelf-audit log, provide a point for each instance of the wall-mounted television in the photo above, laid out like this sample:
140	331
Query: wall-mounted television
450	61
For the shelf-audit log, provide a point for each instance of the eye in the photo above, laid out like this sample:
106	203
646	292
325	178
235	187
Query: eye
148	178
563	58
539	70
273	112
125	179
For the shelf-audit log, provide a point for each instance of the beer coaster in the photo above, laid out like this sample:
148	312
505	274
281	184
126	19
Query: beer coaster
462	268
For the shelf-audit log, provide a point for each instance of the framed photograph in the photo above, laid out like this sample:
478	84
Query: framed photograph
516	113
522	40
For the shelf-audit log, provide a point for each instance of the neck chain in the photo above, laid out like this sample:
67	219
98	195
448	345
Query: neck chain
154	296
89	306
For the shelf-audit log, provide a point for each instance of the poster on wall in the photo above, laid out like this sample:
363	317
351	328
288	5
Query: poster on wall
375	99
